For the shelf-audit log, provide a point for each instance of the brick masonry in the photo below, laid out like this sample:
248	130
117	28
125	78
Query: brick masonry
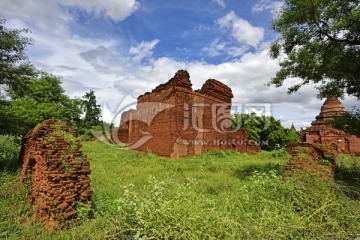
52	160
309	158
175	121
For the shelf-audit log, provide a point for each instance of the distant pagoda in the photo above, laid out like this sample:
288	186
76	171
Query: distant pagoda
331	109
293	129
322	131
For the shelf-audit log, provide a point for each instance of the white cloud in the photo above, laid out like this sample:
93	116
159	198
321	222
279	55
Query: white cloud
221	3
265	5
116	9
217	48
241	29
50	15
42	14
142	50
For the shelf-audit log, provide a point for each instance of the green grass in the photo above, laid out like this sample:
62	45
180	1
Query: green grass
217	195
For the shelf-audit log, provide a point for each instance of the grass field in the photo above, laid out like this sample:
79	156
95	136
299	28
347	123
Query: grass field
217	195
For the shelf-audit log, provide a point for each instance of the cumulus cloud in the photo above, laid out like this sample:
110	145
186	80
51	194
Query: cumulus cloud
241	29
220	2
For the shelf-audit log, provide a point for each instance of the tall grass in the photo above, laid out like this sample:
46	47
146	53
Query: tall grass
216	195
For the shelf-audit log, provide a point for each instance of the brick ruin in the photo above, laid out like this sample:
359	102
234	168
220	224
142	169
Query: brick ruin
310	158
52	160
175	121
321	132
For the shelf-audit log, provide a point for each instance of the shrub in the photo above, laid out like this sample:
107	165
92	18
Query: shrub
88	134
348	171
9	152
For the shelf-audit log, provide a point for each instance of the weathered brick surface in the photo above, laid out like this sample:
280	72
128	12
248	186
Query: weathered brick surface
323	133
52	159
309	158
175	121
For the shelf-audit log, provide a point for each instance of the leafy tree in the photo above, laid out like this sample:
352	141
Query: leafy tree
319	43
266	130
92	110
349	122
292	136
15	68
44	98
28	96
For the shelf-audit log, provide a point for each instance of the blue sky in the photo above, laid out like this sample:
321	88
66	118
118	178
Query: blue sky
123	48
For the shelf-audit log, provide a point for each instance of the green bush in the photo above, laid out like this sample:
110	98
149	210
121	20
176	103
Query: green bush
347	174
9	152
348	168
279	153
87	134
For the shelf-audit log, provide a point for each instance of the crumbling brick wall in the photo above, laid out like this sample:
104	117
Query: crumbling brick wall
175	121
309	158
52	160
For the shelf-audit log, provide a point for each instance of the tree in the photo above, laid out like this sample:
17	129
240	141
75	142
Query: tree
29	96
319	43
266	130
349	122
92	110
15	69
39	99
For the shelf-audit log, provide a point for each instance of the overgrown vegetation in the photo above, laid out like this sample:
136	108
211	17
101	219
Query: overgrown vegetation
216	195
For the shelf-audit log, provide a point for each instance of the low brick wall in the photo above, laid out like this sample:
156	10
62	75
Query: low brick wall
309	158
52	160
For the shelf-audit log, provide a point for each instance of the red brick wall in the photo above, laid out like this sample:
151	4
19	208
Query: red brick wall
354	144
172	132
